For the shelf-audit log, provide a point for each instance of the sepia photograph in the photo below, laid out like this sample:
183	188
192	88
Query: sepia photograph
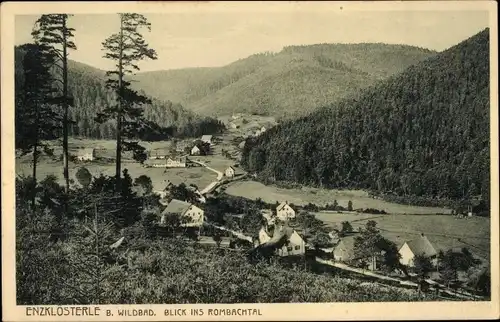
231	153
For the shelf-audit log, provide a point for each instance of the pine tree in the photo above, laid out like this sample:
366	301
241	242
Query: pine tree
53	33
35	118
126	47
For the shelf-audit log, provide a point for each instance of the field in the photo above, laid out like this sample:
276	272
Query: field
360	199
443	231
199	176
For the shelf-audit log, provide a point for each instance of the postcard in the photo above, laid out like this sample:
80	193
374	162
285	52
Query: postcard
256	161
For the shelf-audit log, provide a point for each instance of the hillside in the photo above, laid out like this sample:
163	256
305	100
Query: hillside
424	132
87	86
293	82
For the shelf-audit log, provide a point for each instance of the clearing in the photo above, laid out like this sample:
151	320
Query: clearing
360	199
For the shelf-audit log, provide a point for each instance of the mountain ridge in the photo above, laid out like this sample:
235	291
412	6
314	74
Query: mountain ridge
243	86
423	132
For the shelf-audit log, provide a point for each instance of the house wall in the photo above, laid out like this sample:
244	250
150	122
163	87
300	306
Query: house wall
406	255
85	157
263	237
196	215
296	246
229	173
286	213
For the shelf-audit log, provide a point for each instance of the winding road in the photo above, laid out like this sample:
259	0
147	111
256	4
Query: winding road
213	184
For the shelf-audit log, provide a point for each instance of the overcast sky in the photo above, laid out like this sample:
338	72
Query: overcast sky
218	38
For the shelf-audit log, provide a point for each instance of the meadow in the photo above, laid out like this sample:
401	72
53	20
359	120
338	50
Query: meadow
198	176
443	231
305	195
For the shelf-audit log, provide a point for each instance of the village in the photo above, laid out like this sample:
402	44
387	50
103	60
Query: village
282	232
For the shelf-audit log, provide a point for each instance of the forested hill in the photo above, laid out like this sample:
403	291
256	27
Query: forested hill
424	132
87	86
292	82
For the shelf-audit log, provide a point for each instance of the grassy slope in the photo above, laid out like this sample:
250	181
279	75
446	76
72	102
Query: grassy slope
293	82
198	275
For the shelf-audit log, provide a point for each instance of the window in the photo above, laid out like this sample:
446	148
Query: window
289	248
297	247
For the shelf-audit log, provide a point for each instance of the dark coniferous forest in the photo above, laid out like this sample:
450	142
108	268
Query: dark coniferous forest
424	132
87	87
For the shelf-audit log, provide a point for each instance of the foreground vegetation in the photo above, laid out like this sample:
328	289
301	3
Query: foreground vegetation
64	256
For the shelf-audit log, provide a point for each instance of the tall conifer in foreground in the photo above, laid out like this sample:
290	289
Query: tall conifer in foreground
126	48
52	32
36	119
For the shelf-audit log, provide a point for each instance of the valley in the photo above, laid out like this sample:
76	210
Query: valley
330	171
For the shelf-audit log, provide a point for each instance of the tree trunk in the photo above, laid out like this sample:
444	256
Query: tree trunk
35	152
119	114
65	108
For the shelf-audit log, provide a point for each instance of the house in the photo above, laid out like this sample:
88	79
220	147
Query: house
268	216
294	244
233	126
284	211
193	215
176	162
158	154
242	144
263	129
85	154
285	240
229	172
206	139
155	163
263	236
195	150
420	246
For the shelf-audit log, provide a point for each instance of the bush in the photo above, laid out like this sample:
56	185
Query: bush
84	177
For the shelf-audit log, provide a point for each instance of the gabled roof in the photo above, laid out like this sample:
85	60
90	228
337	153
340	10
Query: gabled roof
177	207
206	137
85	151
163	151
230	167
421	246
281	205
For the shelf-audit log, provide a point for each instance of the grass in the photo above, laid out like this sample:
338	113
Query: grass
443	231
106	148
360	199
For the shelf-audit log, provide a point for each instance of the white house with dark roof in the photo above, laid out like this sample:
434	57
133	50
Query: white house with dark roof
155	163
206	139
284	212
176	162
158	154
193	215
285	240
420	246
85	154
230	172
195	150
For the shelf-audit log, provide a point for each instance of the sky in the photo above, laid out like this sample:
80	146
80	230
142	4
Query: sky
207	39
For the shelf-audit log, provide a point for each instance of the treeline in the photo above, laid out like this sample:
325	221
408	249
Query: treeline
424	132
87	87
